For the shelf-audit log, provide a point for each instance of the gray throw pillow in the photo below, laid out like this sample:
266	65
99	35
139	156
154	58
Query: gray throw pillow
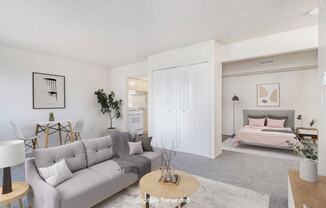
135	148
145	142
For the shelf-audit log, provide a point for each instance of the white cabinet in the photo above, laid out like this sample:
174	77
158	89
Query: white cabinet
180	108
137	85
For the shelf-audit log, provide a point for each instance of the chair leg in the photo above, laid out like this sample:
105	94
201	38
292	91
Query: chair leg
34	141
67	140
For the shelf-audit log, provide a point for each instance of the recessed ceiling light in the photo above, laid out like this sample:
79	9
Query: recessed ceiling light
314	12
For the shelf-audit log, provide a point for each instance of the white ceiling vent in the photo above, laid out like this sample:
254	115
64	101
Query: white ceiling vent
266	61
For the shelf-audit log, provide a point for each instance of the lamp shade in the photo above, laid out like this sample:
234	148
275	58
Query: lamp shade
11	153
299	117
235	98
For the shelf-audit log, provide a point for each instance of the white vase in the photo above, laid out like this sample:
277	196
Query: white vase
309	170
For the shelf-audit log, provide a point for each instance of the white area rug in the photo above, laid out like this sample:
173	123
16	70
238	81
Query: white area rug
211	194
231	145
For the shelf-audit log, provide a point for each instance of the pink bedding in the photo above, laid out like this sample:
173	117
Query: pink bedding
255	135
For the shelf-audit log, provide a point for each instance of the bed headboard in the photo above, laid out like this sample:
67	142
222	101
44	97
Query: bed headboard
288	113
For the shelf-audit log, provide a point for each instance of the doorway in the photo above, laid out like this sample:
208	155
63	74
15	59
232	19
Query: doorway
138	104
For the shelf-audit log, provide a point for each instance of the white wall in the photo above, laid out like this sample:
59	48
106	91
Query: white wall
298	89
322	70
119	84
82	80
279	43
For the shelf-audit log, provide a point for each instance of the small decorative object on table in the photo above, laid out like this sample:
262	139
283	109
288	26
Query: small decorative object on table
51	116
167	171
309	164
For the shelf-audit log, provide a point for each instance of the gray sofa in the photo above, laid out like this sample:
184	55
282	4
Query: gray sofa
96	176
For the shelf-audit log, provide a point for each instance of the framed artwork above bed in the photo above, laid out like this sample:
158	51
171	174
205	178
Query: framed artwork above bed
268	95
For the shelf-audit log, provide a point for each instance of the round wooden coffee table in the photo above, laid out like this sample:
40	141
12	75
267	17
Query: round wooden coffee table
19	190
150	186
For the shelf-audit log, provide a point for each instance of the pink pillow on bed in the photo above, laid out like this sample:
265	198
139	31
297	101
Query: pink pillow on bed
276	123
256	121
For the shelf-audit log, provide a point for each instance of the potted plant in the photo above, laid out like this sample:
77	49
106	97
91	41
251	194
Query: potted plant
109	105
51	116
309	164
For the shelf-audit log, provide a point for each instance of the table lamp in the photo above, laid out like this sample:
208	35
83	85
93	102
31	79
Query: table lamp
300	119
11	153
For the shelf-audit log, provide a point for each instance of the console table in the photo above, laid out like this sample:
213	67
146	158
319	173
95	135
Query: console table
301	192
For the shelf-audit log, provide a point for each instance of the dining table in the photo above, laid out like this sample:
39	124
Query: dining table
52	127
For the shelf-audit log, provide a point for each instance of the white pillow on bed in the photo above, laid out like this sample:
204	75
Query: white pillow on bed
260	122
276	123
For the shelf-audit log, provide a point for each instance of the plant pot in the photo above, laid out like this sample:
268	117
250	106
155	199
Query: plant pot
111	130
309	170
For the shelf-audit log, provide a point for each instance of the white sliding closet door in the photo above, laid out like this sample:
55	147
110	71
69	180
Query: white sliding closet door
199	109
184	115
158	94
180	108
171	106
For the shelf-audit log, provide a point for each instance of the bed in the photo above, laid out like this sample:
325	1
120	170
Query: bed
267	136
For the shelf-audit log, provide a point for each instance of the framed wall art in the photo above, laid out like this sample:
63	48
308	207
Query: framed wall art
268	95
48	91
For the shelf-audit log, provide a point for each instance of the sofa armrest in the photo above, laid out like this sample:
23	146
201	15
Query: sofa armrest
40	190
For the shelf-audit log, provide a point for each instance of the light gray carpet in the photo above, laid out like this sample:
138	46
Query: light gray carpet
210	194
262	174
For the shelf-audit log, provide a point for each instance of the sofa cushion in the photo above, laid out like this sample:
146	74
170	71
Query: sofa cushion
84	189
113	171
74	154
156	159
98	150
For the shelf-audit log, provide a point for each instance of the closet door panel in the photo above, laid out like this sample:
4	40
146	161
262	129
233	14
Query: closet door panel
158	89
183	88
171	128
159	120
157	128
183	124
183	130
199	109
171	89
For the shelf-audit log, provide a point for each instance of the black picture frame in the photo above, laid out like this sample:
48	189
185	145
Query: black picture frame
33	90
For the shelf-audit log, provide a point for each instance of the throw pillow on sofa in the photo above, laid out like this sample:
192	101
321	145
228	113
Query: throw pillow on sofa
145	142
135	148
56	174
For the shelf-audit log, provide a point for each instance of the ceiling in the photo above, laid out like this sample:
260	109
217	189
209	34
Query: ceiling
114	32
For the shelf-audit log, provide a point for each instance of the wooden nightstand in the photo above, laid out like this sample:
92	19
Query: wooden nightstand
19	190
307	133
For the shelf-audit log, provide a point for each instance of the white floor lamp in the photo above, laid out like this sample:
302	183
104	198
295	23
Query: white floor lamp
235	99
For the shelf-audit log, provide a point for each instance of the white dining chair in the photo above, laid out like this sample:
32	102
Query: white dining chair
30	142
77	129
